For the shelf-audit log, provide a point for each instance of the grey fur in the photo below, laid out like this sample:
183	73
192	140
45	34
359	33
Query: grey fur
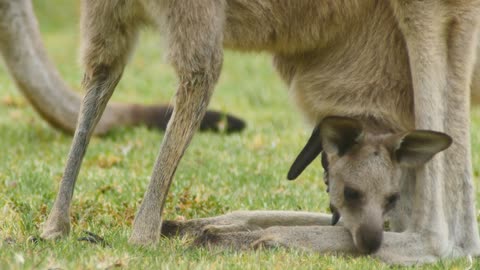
394	65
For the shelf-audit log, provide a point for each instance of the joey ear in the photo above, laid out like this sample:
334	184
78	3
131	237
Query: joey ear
335	135
309	152
419	146
340	134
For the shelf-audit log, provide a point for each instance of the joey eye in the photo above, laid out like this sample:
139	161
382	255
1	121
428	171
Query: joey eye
392	200
351	194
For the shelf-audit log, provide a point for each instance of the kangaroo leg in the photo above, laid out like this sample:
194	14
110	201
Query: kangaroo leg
238	221
440	37
423	25
107	43
195	44
462	43
397	248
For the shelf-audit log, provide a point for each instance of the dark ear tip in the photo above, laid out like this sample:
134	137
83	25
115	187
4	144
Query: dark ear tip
292	174
309	152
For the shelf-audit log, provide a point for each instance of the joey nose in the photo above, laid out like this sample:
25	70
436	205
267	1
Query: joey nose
369	238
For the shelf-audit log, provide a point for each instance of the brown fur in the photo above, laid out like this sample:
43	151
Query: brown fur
396	65
41	84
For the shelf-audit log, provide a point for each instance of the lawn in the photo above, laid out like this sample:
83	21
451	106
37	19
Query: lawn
219	173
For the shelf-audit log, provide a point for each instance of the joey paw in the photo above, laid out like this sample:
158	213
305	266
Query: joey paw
265	242
94	239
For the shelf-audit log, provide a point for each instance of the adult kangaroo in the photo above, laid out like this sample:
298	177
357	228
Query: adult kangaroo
398	64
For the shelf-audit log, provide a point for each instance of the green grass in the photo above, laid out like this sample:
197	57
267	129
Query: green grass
218	173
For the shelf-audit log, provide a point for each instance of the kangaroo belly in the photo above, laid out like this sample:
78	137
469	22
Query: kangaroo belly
289	26
364	74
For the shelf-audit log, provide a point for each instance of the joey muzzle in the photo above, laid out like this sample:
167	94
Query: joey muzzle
368	238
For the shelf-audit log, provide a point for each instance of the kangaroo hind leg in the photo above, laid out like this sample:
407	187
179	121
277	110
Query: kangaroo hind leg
109	33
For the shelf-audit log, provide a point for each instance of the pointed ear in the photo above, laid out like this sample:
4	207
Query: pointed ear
419	146
309	152
340	134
